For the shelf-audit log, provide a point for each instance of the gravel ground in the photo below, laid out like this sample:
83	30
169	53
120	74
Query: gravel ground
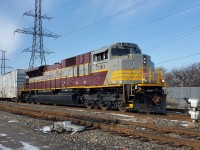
21	132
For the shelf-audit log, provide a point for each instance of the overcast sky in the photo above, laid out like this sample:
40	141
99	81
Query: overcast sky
164	29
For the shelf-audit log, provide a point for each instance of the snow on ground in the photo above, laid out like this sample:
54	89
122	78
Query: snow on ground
12	121
4	148
3	135
28	146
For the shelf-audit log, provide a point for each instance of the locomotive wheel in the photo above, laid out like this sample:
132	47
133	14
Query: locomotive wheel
104	105
89	104
121	106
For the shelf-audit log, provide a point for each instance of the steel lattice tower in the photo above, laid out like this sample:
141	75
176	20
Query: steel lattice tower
37	50
3	62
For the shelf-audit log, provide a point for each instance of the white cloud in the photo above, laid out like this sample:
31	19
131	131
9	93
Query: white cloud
10	14
7	28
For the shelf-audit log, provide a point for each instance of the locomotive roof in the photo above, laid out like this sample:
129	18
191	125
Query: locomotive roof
124	45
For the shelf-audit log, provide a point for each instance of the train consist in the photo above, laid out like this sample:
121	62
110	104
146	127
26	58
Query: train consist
117	76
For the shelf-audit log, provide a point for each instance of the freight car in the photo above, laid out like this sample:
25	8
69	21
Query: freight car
117	76
10	84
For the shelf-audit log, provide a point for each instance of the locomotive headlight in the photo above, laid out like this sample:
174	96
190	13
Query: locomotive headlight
163	81
144	60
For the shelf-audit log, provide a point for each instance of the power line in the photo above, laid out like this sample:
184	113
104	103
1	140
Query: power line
111	16
67	11
176	38
11	39
3	55
139	26
178	58
66	4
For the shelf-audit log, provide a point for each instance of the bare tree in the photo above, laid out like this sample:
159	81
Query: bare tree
187	76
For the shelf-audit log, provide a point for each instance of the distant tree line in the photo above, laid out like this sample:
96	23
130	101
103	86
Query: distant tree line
184	77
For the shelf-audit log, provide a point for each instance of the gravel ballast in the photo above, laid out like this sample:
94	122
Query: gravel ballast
22	132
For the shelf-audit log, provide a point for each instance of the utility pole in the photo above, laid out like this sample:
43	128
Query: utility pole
37	50
3	62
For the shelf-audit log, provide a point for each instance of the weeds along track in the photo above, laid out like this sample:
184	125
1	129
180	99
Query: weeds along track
176	136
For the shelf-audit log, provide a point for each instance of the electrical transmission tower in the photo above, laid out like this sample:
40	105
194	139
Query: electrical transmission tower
3	62
37	50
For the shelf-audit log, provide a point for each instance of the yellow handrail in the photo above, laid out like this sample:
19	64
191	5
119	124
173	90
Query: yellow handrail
150	78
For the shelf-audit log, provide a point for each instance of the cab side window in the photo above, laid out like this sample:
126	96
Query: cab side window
100	56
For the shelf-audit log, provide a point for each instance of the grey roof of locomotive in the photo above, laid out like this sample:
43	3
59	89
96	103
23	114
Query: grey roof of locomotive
128	45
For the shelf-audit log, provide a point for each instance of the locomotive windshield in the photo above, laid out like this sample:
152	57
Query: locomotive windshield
125	51
120	52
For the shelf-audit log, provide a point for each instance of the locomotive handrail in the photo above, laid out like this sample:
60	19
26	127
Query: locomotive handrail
134	80
149	77
131	82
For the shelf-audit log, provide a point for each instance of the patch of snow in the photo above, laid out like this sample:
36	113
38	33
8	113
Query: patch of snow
4	148
3	135
174	120
28	146
76	109
43	106
45	146
120	115
133	120
185	123
12	121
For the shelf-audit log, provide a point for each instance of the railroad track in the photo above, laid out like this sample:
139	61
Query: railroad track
148	131
172	116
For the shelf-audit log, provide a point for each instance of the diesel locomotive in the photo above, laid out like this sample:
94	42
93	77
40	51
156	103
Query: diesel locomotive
117	76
